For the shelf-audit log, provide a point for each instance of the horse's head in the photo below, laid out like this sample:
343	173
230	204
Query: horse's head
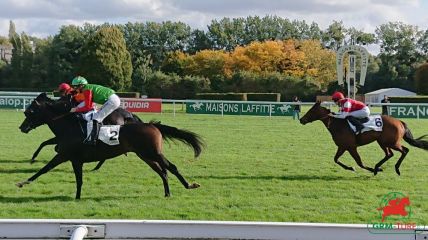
315	113
35	114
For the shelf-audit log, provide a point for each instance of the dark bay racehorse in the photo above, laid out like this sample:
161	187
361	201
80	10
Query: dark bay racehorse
118	117
144	139
389	139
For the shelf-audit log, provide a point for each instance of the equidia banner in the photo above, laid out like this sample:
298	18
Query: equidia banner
141	105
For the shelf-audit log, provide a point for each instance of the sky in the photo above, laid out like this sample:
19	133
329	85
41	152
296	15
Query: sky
43	18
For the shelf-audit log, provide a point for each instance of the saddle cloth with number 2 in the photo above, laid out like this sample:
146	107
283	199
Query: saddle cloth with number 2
109	134
374	123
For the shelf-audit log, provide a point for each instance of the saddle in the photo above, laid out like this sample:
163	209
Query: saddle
371	123
108	134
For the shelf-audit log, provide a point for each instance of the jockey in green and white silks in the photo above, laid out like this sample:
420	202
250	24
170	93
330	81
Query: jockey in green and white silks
98	94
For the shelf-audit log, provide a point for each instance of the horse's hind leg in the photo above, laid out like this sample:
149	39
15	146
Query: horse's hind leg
339	153
357	158
173	169
404	152
159	170
100	163
388	155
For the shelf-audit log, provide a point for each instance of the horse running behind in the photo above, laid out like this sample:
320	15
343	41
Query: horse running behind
389	139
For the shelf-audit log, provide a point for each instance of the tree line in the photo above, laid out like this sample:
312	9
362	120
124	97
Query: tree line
252	54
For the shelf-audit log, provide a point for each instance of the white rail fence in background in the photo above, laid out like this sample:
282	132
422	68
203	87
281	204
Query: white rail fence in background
159	229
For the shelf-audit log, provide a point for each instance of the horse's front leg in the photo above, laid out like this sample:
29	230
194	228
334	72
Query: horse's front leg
51	141
77	167
339	153
357	158
57	160
388	154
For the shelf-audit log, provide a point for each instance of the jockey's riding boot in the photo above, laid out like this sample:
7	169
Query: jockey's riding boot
358	125
95	132
92	132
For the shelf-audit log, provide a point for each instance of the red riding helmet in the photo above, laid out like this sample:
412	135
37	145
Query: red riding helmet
64	87
337	96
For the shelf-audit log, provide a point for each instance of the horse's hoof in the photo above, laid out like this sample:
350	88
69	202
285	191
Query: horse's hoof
21	184
194	185
32	161
352	169
397	171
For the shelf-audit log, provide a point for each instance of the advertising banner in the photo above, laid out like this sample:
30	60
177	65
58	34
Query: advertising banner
14	102
258	109
141	105
408	111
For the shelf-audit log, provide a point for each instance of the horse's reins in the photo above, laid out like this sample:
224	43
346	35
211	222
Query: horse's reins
61	116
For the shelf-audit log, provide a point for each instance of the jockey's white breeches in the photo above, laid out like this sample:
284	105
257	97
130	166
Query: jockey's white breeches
113	102
362	113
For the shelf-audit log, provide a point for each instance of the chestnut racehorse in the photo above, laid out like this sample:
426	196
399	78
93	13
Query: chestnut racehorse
388	139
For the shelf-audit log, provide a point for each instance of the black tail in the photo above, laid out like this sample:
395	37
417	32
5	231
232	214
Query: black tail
418	142
185	136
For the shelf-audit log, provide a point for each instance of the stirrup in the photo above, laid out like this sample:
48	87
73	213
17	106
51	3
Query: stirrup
90	141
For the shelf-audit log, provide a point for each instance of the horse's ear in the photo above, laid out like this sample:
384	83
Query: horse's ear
42	96
318	102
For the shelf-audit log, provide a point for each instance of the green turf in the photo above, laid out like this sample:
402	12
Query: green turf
253	169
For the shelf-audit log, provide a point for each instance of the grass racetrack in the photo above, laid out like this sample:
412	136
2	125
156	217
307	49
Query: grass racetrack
253	169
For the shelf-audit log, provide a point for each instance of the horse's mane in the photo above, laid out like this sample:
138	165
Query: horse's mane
324	108
328	110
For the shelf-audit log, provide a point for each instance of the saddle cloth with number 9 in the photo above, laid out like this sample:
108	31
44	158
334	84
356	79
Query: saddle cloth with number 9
374	123
109	134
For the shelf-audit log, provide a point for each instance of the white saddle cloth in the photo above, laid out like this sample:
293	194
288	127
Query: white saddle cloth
109	134
374	123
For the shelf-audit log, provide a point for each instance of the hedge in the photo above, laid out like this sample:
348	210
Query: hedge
265	97
416	99
222	96
128	94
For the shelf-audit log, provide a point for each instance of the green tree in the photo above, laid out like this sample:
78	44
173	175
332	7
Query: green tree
160	39
423	45
65	53
360	37
41	64
21	62
334	36
399	53
421	79
105	59
199	41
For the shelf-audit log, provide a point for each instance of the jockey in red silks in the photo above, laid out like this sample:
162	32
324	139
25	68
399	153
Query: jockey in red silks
64	89
351	109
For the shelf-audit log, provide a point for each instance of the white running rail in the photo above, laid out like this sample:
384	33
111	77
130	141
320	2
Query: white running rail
170	229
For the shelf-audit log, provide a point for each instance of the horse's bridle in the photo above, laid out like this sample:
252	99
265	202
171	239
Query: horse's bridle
61	116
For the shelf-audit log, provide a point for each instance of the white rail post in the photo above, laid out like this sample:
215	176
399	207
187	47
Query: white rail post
173	106
79	233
